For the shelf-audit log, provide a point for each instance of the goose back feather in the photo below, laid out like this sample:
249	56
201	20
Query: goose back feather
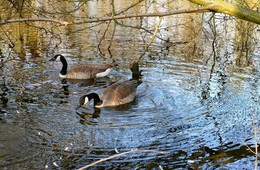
119	93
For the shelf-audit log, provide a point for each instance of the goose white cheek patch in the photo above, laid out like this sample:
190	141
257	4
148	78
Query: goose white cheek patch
86	100
58	58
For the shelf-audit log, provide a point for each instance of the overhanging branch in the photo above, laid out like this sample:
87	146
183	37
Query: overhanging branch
102	19
230	9
33	20
159	14
210	5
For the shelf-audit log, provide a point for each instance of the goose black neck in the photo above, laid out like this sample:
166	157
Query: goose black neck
64	65
96	99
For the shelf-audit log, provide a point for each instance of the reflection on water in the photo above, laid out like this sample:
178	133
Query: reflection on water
198	100
40	120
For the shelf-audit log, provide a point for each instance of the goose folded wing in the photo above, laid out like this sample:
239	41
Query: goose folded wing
125	92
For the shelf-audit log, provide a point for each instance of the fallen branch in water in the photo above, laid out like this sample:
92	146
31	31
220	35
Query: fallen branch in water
120	154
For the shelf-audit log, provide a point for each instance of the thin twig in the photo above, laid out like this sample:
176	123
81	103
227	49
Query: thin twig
114	28
33	20
256	144
152	39
250	149
131	6
120	154
158	14
103	37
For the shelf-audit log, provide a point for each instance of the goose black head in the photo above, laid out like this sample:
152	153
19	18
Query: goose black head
56	57
86	98
82	100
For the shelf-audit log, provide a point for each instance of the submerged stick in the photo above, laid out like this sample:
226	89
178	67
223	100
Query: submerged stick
120	154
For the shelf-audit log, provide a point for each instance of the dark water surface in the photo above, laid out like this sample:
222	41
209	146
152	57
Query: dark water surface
201	109
40	127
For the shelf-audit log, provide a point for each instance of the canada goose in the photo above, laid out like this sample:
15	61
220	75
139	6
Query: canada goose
114	95
82	71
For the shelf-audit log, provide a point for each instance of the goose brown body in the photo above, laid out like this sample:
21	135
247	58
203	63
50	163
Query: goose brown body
114	95
82	71
87	71
119	93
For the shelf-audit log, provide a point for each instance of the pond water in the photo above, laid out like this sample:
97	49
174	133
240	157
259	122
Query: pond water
198	101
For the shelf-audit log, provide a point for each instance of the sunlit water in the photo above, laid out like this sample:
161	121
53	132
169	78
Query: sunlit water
40	127
201	114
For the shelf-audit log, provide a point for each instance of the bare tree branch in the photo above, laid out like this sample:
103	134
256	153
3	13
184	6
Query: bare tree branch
159	14
33	20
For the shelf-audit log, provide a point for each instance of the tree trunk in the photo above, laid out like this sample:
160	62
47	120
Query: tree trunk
230	9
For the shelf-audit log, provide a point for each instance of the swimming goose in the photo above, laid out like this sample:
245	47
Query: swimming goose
82	71
114	95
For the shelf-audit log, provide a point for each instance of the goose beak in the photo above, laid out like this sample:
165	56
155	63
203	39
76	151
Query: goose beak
53	59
